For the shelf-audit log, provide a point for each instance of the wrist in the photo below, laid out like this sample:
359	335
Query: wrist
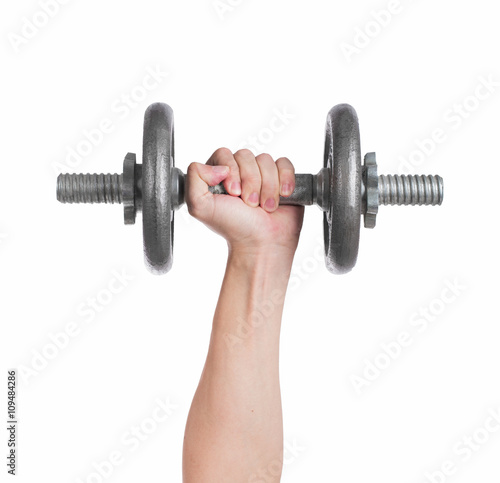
257	282
267	260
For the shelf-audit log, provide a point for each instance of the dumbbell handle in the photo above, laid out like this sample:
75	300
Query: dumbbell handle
310	189
304	194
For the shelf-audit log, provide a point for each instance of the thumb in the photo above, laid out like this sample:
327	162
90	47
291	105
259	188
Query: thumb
199	178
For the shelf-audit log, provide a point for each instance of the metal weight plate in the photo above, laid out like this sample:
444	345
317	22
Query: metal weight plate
343	218
157	211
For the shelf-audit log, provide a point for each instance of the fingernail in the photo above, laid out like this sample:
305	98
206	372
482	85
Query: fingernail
220	169
236	188
286	189
270	204
254	198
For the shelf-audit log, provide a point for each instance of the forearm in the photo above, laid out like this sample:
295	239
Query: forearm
234	428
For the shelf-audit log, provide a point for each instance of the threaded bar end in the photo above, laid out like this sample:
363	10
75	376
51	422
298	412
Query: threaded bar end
410	190
90	188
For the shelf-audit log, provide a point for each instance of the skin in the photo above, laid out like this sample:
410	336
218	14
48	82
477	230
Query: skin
234	431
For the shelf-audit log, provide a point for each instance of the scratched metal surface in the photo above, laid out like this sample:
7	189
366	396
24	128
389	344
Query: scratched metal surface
343	220
157	212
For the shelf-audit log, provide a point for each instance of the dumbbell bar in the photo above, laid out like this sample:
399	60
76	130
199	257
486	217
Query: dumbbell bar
343	189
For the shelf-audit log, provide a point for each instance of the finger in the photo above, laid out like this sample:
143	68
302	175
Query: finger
199	178
270	191
250	177
287	176
224	157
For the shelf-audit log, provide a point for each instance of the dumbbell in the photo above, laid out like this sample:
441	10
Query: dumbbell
344	189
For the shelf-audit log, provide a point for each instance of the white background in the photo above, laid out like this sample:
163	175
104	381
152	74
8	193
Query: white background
228	72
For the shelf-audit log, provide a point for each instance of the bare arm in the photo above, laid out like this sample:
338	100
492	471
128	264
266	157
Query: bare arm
234	431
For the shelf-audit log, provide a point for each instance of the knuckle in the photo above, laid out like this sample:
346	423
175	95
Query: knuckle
244	153
265	157
285	163
192	169
223	153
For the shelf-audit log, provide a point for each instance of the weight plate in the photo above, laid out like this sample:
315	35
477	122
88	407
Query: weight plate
157	212
343	160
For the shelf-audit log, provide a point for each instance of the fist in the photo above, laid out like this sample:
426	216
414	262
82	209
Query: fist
249	217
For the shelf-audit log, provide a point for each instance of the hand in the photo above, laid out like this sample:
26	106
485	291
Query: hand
249	218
